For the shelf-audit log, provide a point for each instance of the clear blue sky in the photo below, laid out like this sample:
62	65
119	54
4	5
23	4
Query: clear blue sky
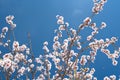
38	18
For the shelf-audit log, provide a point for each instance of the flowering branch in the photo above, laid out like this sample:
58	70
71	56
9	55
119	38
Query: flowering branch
70	57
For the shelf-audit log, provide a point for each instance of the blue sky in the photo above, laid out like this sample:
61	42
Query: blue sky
38	18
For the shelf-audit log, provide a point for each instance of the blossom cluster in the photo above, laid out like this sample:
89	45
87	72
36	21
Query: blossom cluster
66	57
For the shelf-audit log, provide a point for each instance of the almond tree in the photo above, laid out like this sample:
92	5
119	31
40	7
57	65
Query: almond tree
69	59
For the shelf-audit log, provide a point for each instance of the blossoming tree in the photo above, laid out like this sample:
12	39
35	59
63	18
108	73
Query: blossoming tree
66	57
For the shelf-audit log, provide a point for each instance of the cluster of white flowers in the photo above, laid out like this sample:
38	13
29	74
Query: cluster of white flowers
9	20
18	48
111	77
98	6
66	57
3	34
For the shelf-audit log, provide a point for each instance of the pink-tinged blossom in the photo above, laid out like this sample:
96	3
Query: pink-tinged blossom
83	60
8	56
98	6
37	60
22	48
87	21
16	46
7	63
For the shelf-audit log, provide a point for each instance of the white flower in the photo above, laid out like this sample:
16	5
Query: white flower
19	57
103	25
57	16
45	43
21	70
9	21
30	60
113	77
107	78
62	27
5	29
94	78
67	24
7	63
73	31
46	49
56	60
92	71
38	60
32	65
13	26
56	45
60	21
114	62
83	60
22	48
16	45
79	45
56	38
89	37
8	56
89	76
61	17
87	20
